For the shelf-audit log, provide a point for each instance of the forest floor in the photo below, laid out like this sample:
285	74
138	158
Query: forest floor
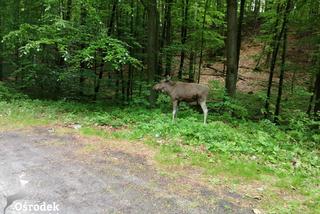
249	79
94	175
252	80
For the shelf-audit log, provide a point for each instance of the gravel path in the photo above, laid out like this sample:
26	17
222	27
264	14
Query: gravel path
36	174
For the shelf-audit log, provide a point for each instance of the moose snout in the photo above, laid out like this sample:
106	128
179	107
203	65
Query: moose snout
156	88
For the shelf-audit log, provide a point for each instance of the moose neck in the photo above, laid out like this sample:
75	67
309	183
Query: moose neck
169	88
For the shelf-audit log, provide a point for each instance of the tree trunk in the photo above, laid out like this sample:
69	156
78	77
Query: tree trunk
242	4
16	24
168	36
69	10
153	38
275	32
112	18
1	63
283	67
184	26
317	94
202	39
152	44
191	66
1	48
311	90
97	87
293	80
232	68
123	86
130	71
166	8
256	10
83	14
257	67
130	83
275	45
110	31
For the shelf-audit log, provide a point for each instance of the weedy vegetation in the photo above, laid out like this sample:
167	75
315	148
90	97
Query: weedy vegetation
233	149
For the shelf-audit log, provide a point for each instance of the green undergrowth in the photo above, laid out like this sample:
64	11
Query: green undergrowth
232	145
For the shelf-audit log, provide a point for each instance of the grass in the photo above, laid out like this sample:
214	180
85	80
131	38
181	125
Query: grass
231	150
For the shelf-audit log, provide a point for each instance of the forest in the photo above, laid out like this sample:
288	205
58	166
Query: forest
91	66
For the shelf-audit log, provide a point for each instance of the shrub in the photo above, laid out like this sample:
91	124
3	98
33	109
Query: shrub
8	94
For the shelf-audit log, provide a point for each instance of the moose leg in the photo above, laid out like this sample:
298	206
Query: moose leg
175	109
205	111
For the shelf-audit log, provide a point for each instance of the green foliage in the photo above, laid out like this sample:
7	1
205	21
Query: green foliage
9	94
113	51
225	104
304	129
263	142
47	55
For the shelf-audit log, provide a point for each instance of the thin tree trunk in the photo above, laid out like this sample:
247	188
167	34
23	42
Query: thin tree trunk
142	73
129	83
69	10
153	43
256	11
16	24
110	31
311	90
232	68
276	45
293	80
97	88
191	66
1	48
130	71
153	38
269	53
184	26
315	85
123	86
61	8
117	78
162	41
168	36
283	67
202	39
120	72
60	60
257	67
1	64
2	32
242	4
112	18
81	79
317	94
83	15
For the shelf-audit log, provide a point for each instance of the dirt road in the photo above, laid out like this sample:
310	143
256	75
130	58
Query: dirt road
48	171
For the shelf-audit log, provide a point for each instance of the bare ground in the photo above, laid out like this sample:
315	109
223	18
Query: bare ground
298	62
87	175
250	80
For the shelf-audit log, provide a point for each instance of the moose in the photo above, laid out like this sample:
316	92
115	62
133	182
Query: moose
182	91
